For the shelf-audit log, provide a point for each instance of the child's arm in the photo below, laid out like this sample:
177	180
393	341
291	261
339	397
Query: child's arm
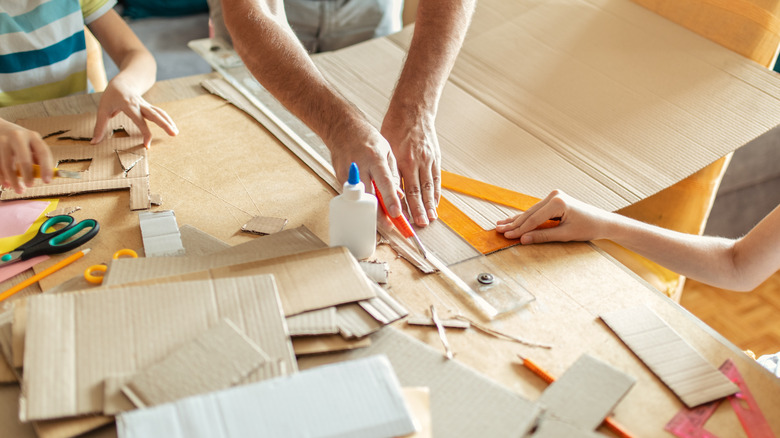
737	265
23	148
137	70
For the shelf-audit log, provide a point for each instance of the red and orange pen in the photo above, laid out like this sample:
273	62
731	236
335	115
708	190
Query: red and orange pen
401	224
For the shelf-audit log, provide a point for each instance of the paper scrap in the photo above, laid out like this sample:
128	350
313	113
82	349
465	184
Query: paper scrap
160	233
264	225
586	393
10	243
19	215
360	398
669	356
219	358
16	268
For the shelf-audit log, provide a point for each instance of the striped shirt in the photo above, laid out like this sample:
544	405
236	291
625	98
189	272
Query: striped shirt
42	48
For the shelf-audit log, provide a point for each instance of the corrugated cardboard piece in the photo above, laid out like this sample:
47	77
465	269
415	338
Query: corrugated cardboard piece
585	394
464	403
94	335
669	356
264	225
160	233
219	358
361	398
111	167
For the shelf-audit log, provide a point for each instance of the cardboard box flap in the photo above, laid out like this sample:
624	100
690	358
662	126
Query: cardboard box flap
96	334
360	398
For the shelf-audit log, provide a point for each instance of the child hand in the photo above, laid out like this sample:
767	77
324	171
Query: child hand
120	97
20	148
579	221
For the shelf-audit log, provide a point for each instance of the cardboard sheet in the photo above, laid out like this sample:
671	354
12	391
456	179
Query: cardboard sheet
160	233
669	356
585	394
216	359
105	172
293	241
123	331
314	322
464	403
198	243
360	398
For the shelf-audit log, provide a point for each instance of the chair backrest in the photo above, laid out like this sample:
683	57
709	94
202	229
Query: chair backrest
748	27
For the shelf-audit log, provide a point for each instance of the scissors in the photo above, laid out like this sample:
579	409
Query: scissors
90	273
49	241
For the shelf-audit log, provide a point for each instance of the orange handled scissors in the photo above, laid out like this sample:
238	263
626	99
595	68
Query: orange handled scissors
94	274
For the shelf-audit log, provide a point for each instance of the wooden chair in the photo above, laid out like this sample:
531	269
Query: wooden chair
96	70
748	27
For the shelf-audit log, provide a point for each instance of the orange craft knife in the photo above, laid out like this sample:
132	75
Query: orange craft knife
401	224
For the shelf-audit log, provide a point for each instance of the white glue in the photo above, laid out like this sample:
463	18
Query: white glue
353	217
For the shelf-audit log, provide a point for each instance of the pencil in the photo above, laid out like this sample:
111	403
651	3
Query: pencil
610	422
45	273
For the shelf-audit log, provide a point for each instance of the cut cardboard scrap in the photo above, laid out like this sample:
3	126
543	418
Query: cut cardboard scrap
585	394
384	308
217	359
354	322
427	321
313	322
306	345
160	233
119	333
360	398
198	243
286	242
463	402
128	159
105	172
694	380
376	271
64	210
264	225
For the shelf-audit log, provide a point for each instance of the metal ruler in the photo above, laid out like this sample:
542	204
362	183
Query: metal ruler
689	423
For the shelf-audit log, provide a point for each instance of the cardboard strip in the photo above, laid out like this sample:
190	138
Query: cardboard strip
160	233
428	322
304	345
121	332
264	225
586	393
354	322
694	380
357	398
384	308
219	358
314	322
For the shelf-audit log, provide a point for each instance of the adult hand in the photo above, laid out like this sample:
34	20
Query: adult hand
120	97
579	221
20	148
375	162
416	147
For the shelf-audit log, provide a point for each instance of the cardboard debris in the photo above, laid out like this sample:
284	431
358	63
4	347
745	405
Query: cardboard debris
360	398
384	308
153	319
63	210
669	356
314	322
6	341
354	322
376	271
306	345
105	171
160	233
114	400
264	225
199	243
293	241
128	159
463	402
585	394
156	199
427	321
18	328
218	358
7	374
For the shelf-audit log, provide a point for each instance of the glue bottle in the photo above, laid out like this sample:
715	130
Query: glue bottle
353	217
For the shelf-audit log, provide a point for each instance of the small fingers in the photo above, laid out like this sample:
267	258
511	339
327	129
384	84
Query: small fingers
414	197
42	154
159	117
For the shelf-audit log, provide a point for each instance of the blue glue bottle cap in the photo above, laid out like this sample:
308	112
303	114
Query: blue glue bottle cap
354	174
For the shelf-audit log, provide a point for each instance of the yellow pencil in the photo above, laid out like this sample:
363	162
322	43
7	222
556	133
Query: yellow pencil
52	269
57	172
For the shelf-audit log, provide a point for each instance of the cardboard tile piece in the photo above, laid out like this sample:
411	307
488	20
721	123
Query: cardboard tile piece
105	171
360	398
219	358
160	233
93	335
464	403
384	308
264	225
669	356
124	271
586	393
354	322
314	322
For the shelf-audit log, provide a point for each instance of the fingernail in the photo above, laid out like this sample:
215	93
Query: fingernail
432	214
421	220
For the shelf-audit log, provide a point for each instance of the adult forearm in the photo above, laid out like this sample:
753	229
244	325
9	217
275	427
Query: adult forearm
438	35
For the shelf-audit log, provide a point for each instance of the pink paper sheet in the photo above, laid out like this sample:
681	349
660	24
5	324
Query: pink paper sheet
9	271
17	216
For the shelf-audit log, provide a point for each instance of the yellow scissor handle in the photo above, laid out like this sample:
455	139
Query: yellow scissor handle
94	274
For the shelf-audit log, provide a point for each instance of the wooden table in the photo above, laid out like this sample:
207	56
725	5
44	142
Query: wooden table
224	168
